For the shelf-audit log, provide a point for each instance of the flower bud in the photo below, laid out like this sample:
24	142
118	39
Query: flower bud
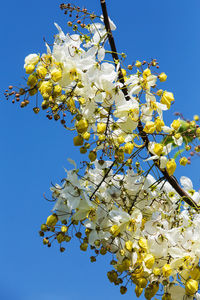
128	148
101	127
115	230
149	261
158	149
166	270
78	140
129	245
138	64
183	161
167	98
191	287
176	124
171	166
82	126
92	156
162	77
30	68
56	74
52	220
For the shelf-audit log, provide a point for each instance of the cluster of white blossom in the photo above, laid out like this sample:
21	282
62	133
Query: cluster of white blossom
122	209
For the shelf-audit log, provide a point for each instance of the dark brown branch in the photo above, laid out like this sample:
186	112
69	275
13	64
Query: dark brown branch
171	179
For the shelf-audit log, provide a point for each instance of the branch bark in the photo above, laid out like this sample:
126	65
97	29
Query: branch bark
171	179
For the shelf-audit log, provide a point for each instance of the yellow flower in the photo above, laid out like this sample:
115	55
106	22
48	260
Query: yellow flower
171	166
128	148
149	261
191	287
32	80
162	77
166	270
146	73
115	230
138	64
30	68
56	75
52	220
129	245
176	124
101	127
183	161
41	72
158	149
167	98
149	127
82	126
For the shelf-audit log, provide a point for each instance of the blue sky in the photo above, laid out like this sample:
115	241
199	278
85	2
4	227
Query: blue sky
34	150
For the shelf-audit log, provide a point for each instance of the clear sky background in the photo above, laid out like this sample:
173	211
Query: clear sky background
34	150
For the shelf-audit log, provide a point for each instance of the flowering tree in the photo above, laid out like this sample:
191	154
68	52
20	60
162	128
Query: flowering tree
123	200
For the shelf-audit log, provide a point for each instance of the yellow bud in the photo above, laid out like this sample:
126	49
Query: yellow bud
198	131
52	220
41	72
57	90
129	245
162	77
166	270
32	92
191	287
159	124
64	228
82	126
143	243
195	273
120	139
149	261
146	73
156	271
151	290
149	127
177	136
123	290
142	282
167	98
92	156
81	100
56	75
78	140
158	149
128	148
196	117
183	161
86	136
166	297
83	150
171	166
159	92
138	291
176	124
46	87
101	128
60	237
84	246
32	80
138	64
102	137
115	230
30	68
112	276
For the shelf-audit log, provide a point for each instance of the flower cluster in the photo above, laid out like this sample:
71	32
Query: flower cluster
114	204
